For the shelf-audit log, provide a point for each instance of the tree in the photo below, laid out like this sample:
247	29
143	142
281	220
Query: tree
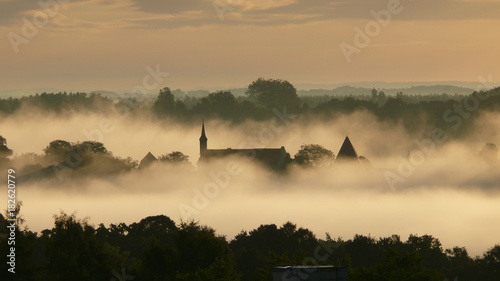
429	249
222	103
460	264
313	155
175	157
257	251
74	253
274	93
491	263
4	150
153	226
221	98
203	255
165	103
91	147
57	148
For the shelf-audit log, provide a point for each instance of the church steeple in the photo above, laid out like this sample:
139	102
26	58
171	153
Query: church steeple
203	139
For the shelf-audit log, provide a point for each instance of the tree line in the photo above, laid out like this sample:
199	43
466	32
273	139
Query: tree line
262	95
157	248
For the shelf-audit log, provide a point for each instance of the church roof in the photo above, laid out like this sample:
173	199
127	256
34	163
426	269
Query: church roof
347	151
272	157
147	160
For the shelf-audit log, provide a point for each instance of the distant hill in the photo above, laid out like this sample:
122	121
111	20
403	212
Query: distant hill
25	92
414	90
396	85
343	89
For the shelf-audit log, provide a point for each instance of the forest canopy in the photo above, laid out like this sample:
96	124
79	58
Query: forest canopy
259	100
157	248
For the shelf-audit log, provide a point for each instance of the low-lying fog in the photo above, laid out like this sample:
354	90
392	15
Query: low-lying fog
445	190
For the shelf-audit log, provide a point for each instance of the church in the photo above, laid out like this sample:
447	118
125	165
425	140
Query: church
275	158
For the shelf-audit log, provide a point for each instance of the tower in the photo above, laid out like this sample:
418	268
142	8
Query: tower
203	140
347	151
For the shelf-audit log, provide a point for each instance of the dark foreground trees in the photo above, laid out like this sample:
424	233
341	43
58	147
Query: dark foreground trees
156	248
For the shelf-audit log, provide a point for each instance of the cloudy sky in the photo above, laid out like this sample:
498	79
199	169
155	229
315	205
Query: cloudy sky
111	44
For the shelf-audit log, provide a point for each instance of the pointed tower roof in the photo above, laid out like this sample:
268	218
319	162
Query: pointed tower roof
147	160
203	136
347	151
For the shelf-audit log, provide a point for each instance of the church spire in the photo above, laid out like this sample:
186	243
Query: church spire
203	139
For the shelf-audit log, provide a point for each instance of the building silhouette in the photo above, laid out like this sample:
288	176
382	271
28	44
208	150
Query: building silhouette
275	158
147	160
347	152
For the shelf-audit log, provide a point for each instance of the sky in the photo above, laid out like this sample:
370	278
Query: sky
151	44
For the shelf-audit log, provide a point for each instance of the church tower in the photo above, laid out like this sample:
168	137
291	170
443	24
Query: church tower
347	152
203	140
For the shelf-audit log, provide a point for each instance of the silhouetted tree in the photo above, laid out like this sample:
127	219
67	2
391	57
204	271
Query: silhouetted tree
153	226
460	265
90	147
156	249
4	150
165	103
313	155
176	158
88	158
257	251
218	104
203	255
57	150
491	263
274	93
74	253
